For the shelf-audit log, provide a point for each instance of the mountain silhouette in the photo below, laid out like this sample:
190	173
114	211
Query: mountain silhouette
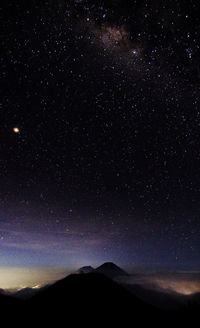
91	299
86	269
95	298
111	270
83	296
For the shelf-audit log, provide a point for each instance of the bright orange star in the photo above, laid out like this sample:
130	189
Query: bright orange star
16	130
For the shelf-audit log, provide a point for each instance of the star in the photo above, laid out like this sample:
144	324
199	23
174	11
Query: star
16	130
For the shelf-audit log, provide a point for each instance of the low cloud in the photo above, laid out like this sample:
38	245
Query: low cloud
182	283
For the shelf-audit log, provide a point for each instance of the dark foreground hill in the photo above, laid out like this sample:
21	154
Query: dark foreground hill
90	300
88	296
10	309
94	298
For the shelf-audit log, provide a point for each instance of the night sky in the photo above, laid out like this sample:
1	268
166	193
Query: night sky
100	134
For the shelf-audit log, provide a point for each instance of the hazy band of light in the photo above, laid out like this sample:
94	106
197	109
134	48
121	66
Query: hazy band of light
17	278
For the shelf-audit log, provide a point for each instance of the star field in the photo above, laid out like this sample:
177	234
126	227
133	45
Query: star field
100	133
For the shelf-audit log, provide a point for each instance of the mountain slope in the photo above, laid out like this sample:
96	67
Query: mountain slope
11	309
87	295
25	293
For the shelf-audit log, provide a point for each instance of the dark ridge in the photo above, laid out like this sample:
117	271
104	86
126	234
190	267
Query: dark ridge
25	293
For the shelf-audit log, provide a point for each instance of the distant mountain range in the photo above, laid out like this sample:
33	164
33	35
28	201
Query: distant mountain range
109	269
93	298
